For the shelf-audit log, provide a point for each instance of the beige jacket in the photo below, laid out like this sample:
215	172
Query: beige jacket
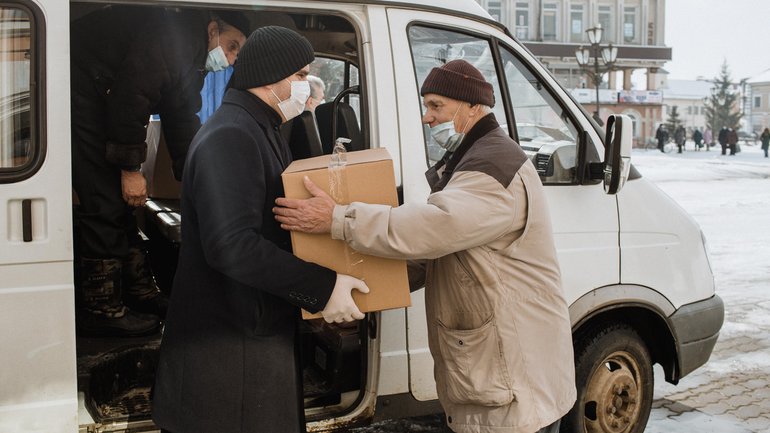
498	324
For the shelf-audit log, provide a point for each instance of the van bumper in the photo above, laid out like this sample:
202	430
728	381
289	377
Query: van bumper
696	329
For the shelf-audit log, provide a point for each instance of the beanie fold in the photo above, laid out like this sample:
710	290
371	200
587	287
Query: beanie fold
459	80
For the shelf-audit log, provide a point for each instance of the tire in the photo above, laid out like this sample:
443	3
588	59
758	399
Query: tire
614	379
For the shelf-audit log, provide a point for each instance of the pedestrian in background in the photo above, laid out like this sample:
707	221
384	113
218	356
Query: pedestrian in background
765	137
722	138
697	137
498	323
732	140
680	136
708	138
662	136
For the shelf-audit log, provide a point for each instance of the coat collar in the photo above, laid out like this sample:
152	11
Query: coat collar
265	116
257	108
484	126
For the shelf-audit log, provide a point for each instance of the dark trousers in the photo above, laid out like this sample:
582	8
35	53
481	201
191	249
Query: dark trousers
105	223
724	148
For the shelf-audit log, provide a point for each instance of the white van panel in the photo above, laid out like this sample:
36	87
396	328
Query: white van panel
39	377
38	381
661	245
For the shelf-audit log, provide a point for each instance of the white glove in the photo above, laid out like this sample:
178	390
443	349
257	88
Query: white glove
341	307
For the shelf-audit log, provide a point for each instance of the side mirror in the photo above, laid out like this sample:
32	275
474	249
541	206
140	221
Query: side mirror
617	152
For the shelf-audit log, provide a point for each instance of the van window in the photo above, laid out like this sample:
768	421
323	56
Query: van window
545	132
433	47
17	146
337	75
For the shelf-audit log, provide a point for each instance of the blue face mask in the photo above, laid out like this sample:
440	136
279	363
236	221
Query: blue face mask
216	60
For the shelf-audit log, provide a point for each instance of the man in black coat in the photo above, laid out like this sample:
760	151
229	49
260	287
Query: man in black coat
228	355
662	136
129	63
722	138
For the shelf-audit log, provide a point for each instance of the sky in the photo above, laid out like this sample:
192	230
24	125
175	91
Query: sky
703	33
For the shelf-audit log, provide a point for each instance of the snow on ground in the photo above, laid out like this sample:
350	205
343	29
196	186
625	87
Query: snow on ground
729	197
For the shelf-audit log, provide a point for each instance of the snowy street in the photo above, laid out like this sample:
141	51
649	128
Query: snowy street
729	197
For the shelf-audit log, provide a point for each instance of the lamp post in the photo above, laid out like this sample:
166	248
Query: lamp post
608	54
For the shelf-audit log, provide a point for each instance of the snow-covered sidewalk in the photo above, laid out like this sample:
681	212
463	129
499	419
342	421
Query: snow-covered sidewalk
729	196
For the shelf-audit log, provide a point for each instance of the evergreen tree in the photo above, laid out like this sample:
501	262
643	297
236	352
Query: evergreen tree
673	120
722	107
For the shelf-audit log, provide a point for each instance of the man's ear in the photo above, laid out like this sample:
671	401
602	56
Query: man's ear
473	110
212	30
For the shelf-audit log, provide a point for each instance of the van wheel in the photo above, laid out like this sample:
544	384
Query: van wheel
614	379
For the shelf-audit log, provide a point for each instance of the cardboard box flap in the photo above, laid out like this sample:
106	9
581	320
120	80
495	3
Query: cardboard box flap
319	162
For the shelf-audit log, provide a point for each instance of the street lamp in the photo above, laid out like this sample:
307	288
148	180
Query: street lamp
608	54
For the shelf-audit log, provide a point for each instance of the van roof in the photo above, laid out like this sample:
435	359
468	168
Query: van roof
466	7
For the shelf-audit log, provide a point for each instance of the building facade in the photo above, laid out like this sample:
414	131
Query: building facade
758	113
689	97
554	29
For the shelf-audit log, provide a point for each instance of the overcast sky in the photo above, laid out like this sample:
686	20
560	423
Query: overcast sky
704	32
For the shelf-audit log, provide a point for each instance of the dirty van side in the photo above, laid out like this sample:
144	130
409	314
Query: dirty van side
373	57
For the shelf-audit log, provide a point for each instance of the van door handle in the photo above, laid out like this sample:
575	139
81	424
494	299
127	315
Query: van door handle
26	220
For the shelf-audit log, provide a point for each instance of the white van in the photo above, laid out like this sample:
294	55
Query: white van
634	264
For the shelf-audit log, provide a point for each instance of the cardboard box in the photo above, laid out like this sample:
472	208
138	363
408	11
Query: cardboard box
367	177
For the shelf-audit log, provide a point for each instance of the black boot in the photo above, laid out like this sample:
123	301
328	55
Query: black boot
101	312
140	292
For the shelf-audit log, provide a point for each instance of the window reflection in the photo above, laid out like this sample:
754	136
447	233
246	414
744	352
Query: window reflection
16	145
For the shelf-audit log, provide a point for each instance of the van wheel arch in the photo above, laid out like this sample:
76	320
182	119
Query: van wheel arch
652	327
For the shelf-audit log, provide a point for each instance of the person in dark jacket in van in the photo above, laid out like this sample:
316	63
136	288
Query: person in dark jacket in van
228	355
129	63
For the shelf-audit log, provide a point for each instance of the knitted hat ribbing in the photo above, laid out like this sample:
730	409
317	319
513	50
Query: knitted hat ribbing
459	80
269	55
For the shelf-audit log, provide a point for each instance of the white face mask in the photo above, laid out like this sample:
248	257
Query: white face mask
445	134
216	60
294	105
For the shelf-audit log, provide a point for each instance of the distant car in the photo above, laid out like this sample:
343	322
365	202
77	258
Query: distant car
748	137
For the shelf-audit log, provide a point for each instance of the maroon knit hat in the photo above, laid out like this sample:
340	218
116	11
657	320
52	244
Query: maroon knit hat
459	80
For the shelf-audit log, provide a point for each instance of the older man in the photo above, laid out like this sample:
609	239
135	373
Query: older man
498	324
228	356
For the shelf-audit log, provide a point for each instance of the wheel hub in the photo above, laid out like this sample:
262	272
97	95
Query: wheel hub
612	396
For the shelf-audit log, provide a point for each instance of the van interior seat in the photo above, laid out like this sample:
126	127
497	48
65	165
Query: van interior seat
347	126
302	135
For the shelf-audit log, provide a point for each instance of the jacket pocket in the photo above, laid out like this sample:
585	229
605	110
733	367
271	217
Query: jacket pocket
475	369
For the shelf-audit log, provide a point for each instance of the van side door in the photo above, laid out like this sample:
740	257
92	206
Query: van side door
38	390
539	115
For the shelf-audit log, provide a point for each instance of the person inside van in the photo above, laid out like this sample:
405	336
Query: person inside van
498	324
317	92
129	63
228	356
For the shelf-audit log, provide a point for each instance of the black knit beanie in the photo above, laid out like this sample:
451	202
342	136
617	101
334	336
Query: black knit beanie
234	19
269	55
459	80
